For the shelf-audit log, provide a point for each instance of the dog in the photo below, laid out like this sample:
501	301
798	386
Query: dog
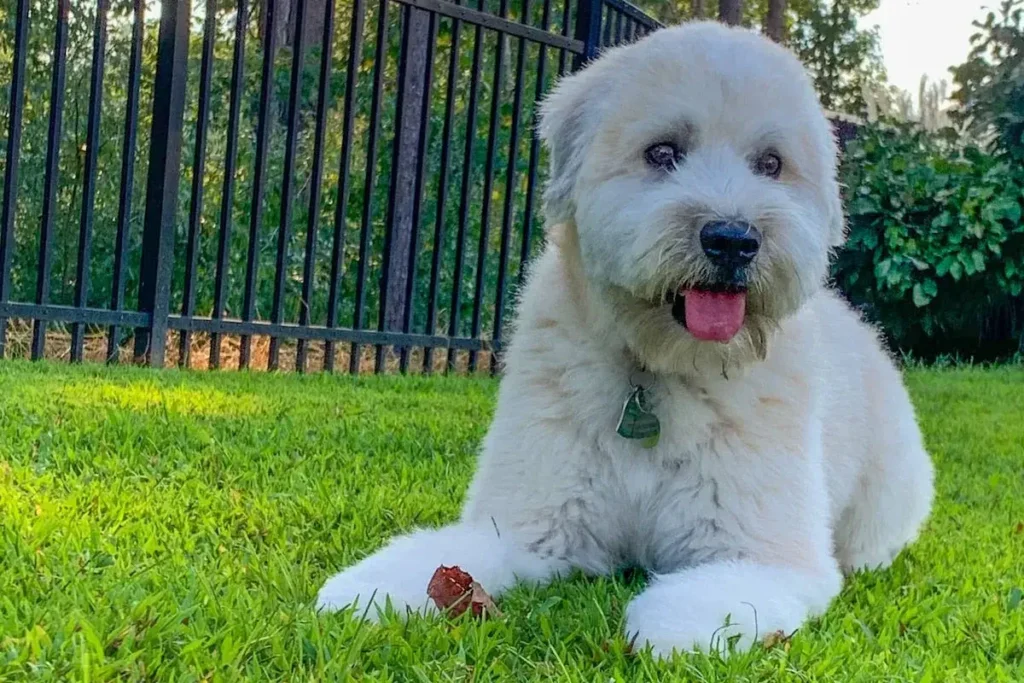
682	391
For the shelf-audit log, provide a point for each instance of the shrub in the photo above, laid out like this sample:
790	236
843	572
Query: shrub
936	241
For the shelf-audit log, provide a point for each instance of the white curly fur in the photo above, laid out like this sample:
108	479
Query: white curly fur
787	456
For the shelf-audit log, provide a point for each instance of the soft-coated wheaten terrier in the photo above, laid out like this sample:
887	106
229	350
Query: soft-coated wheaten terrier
682	391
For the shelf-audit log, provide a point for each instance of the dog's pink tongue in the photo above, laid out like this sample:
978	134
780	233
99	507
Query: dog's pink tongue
715	316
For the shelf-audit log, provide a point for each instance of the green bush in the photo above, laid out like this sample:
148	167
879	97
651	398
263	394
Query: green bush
936	241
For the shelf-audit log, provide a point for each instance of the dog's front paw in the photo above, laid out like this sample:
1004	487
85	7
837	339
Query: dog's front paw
685	616
370	595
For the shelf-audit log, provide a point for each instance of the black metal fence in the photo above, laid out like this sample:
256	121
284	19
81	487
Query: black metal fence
326	182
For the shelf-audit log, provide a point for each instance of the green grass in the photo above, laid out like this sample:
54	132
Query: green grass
175	526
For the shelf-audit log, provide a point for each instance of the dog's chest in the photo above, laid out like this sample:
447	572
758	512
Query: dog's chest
661	508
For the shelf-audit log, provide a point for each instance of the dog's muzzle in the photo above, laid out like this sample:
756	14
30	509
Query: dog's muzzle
715	310
730	246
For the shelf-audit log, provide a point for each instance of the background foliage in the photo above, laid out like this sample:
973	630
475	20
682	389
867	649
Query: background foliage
936	244
936	250
934	210
71	176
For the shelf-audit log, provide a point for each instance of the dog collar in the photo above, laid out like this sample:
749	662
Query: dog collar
637	420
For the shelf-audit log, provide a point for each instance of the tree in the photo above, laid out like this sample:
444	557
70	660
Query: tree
730	11
990	84
775	20
841	57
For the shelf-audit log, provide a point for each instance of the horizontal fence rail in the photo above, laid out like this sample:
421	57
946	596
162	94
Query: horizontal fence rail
307	184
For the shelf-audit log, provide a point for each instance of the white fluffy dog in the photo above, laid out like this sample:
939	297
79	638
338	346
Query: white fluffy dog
682	392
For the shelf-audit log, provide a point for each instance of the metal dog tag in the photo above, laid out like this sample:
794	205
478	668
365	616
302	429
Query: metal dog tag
637	421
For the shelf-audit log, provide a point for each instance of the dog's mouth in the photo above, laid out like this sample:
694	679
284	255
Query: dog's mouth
710	313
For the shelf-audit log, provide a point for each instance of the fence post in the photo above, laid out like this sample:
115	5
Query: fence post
405	171
588	31
164	174
10	188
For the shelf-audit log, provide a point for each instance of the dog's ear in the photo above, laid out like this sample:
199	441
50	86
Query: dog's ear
567	118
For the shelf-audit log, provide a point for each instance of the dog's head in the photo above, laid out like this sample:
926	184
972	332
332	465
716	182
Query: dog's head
697	170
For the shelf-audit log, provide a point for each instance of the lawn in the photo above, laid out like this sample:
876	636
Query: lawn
176	526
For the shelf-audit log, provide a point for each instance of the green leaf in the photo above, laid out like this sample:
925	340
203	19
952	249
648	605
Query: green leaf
979	260
944	265
1009	210
956	270
930	288
921	299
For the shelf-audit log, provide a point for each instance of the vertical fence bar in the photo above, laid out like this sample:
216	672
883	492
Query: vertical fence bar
397	147
10	191
401	226
227	200
366	228
531	177
124	204
92	145
421	179
618	27
442	193
485	211
195	214
259	181
606	26
464	201
588	31
284	231
509	208
164	175
355	52
563	62
50	178
313	219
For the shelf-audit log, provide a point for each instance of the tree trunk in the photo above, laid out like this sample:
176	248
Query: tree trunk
699	9
406	168
312	24
282	10
730	11
284	21
775	22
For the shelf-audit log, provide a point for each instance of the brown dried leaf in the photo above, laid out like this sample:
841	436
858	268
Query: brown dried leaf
482	603
1020	528
454	590
448	586
776	638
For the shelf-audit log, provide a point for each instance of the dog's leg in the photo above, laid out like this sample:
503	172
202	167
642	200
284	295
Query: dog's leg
400	571
890	505
775	566
689	610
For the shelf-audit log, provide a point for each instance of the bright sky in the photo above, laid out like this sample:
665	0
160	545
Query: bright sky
925	37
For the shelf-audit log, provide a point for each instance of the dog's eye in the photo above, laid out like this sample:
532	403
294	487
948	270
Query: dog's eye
663	155
768	164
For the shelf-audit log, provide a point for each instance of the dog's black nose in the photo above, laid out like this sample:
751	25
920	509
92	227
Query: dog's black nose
730	244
